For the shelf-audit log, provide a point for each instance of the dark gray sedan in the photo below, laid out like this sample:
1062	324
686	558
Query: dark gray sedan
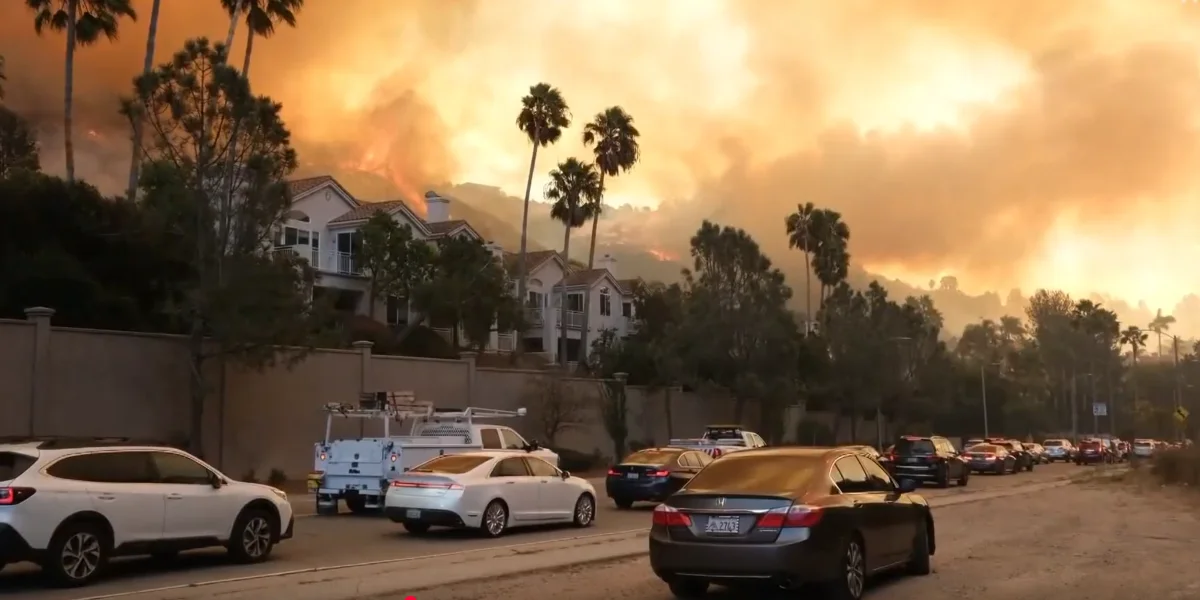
788	517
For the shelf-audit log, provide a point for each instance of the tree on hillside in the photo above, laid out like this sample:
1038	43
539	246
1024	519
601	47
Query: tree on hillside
544	114
800	237
83	21
135	158
467	287
614	140
1133	337
831	256
394	262
574	189
252	303
18	146
1160	324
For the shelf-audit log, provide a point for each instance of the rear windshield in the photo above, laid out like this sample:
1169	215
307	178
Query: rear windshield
1029	446
727	435
984	448
1052	443
907	446
757	474
1090	445
13	464
1143	443
451	464
651	457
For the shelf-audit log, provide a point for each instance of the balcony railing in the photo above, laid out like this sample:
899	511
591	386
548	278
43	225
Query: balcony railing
312	255
505	342
575	319
347	264
533	317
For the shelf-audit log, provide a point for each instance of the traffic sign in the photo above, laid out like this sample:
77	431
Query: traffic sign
1182	414
1099	409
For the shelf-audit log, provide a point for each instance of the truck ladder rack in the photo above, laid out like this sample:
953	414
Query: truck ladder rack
395	406
474	412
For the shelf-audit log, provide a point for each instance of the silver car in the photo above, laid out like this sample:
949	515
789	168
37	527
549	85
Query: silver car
488	491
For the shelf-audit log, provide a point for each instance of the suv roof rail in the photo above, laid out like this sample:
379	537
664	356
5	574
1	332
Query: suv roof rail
53	442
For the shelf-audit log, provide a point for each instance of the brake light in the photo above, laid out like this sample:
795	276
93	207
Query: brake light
394	457
989	456
324	456
716	453
661	474
15	495
791	516
426	486
614	473
668	516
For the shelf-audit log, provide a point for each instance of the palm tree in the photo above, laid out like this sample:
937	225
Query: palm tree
84	21
1160	324
831	256
575	190
234	17
261	17
3	78
614	140
1135	339
135	159
800	236
544	114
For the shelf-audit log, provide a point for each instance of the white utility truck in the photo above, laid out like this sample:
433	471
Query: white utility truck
719	440
359	471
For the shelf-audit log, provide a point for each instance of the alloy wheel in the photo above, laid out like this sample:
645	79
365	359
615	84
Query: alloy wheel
495	519
584	510
855	571
256	537
81	555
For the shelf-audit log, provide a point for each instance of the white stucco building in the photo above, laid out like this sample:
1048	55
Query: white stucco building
323	227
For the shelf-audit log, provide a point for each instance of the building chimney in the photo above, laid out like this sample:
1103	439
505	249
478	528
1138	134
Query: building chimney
437	208
608	262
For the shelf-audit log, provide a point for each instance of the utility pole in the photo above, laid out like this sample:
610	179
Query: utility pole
1074	408
1095	400
1178	389
983	395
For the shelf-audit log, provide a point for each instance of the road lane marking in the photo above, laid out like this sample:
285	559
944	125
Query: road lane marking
388	561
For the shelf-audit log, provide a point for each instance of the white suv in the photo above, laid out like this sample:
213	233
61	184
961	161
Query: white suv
71	504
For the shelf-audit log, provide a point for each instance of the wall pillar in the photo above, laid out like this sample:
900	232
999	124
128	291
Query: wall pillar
39	398
469	358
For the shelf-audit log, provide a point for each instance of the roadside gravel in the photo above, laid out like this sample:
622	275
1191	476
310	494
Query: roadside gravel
1088	541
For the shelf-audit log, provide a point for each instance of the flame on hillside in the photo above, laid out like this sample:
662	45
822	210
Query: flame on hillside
662	255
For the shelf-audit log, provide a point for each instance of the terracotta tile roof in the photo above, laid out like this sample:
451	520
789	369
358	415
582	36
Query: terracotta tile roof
445	227
299	186
367	210
533	260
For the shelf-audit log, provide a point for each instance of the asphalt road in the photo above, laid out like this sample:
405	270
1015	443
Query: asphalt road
347	539
1093	541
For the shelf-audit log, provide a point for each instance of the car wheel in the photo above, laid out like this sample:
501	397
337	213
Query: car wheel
77	555
688	588
966	476
622	503
253	537
943	479
416	528
851	579
356	504
495	519
585	511
327	509
919	563
1029	467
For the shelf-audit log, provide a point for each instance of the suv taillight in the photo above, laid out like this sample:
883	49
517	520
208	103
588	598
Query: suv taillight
14	495
792	516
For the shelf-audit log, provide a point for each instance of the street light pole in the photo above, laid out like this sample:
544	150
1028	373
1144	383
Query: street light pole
983	394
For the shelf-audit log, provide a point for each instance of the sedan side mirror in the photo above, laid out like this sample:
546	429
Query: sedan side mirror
215	481
565	475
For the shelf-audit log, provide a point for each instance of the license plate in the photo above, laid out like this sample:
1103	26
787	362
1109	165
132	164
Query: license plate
412	513
723	525
912	460
631	475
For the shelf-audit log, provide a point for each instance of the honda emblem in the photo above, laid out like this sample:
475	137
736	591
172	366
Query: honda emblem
721	502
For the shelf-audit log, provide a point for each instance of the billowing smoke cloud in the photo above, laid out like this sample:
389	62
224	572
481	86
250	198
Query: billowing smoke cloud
1008	143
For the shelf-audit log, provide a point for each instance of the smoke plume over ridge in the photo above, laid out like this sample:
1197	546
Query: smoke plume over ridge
1009	143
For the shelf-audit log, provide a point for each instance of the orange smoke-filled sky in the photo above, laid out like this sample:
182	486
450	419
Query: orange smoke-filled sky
1012	143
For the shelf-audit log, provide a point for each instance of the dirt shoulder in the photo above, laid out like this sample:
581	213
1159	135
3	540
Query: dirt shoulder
1090	541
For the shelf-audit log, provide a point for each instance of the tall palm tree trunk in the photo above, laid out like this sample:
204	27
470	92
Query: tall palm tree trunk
233	21
808	314
587	298
69	91
562	309
135	160
521	266
249	50
231	160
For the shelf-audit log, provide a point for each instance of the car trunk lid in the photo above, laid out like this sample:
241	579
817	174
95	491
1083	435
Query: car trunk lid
725	519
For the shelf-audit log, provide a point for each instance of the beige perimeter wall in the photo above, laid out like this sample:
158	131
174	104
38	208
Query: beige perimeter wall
60	381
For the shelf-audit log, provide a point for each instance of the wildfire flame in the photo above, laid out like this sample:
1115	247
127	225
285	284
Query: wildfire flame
662	255
374	160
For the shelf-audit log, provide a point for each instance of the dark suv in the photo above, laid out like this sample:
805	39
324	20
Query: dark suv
928	459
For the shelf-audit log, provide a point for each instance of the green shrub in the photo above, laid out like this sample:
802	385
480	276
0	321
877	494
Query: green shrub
276	478
1179	466
578	462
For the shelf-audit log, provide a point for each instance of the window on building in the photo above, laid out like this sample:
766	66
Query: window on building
397	311
605	303
575	302
627	309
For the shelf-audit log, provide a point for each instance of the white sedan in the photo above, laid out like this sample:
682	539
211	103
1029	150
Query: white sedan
489	491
